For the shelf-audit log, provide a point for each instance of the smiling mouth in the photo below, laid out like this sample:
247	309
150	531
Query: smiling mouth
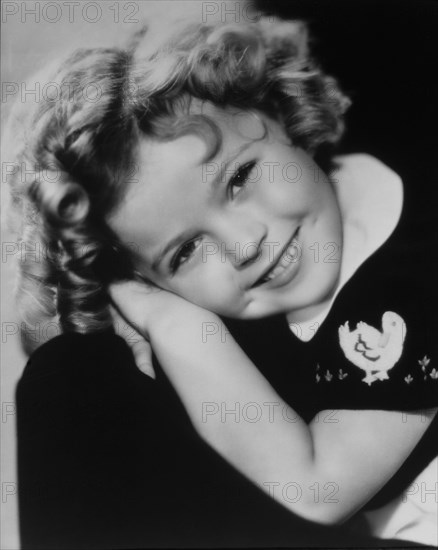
284	263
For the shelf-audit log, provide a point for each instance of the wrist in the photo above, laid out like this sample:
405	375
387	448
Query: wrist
178	316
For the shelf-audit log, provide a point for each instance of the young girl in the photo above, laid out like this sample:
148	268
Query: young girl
197	176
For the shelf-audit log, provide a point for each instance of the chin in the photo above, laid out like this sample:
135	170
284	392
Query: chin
260	310
301	297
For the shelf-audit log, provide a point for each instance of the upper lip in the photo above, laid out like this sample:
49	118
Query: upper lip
276	261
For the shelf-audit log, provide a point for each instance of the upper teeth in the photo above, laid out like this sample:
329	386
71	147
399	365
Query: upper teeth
288	257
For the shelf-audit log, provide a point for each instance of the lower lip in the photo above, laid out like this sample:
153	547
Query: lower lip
287	275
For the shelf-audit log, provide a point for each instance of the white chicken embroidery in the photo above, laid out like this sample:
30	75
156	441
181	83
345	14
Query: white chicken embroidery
373	351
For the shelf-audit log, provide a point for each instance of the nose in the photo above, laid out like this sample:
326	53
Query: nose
241	240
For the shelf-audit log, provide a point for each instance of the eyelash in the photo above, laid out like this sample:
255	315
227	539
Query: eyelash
244	171
176	260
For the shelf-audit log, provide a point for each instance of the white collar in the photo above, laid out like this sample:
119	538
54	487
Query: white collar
370	197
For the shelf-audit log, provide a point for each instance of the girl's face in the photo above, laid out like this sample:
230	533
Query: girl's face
254	232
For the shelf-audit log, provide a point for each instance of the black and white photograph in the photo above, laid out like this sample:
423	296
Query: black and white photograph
219	274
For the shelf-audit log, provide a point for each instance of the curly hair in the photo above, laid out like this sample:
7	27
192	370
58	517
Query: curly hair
81	146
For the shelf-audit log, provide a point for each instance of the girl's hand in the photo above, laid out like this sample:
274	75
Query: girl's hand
133	306
140	347
140	310
138	303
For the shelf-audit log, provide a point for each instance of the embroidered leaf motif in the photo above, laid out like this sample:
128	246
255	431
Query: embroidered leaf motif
318	378
342	375
434	374
424	362
328	376
408	379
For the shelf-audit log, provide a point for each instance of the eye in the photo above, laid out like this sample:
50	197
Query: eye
184	254
240	179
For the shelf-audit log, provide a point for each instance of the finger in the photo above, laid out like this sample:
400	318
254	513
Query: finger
124	328
143	357
119	323
140	347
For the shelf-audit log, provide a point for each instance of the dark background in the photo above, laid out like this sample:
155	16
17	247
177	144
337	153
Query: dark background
384	54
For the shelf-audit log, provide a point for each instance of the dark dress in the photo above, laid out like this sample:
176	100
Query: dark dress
108	458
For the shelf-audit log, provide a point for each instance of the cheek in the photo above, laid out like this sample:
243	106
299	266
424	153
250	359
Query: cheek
208	285
292	188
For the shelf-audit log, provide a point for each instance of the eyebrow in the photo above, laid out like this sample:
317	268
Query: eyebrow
214	183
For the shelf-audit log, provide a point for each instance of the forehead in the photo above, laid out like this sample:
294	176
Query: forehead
235	125
170	192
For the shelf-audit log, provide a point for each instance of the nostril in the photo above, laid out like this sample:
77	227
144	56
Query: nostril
244	251
247	261
250	253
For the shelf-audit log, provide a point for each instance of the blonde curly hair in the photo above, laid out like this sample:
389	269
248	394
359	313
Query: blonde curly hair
81	147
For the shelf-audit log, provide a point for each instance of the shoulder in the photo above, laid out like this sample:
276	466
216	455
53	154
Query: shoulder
367	162
364	175
85	390
73	368
74	351
370	197
369	191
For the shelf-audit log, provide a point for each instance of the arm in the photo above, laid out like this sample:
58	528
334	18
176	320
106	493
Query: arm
357	455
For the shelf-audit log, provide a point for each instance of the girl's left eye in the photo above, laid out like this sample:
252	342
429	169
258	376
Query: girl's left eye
240	179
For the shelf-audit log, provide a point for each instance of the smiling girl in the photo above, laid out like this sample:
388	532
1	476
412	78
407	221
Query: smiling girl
219	242
228	217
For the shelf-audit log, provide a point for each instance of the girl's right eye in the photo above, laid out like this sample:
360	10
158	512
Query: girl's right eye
184	254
